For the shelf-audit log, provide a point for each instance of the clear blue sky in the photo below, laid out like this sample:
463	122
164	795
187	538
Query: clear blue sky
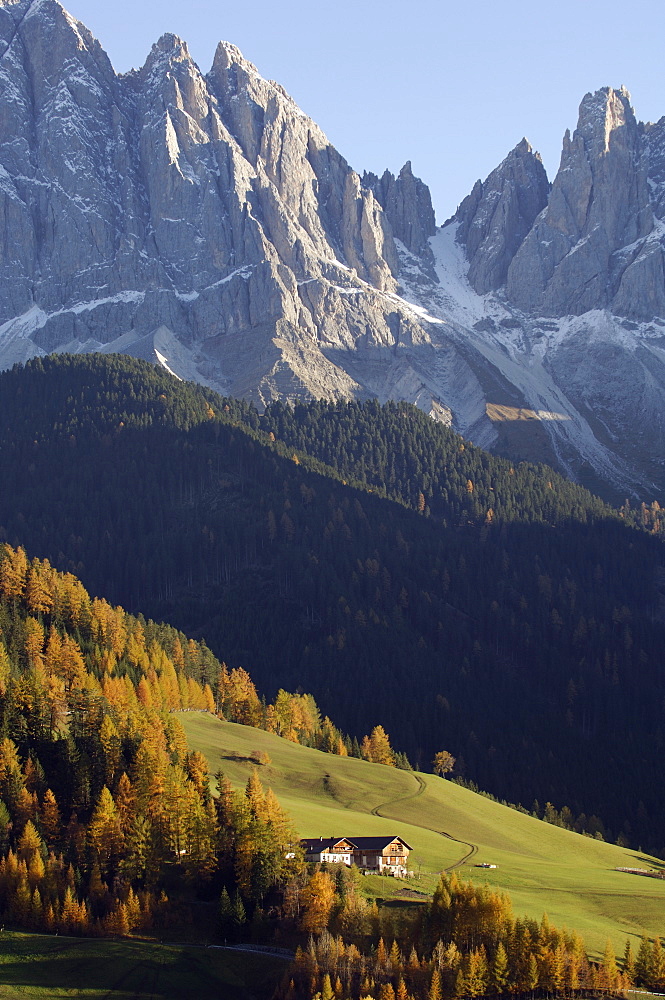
450	86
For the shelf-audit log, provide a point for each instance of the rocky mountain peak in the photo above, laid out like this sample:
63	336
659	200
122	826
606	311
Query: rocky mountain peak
523	147
573	259
176	84
317	189
601	115
43	33
206	222
495	218
227	54
169	52
172	45
408	205
20	16
172	207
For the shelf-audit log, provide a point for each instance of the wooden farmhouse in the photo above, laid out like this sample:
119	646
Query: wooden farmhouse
374	854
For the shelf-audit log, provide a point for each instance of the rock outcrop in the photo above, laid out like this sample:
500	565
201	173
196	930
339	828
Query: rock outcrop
495	218
407	204
596	245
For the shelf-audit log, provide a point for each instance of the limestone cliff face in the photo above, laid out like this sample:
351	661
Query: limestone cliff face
596	245
495	218
579	270
407	204
169	204
204	222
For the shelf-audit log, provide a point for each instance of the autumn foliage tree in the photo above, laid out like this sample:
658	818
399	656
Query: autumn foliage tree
443	763
377	749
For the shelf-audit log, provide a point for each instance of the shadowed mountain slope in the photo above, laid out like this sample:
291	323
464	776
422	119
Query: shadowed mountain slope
527	643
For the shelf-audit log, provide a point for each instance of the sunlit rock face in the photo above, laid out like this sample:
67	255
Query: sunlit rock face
165	207
204	222
597	245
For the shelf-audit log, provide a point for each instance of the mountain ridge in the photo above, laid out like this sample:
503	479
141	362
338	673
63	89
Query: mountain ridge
205	222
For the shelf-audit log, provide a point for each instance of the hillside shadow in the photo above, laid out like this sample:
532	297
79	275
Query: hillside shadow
649	863
60	972
197	972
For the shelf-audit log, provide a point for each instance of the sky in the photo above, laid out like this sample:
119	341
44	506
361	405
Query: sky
452	87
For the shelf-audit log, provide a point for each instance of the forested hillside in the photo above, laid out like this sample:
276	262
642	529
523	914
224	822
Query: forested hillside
400	451
107	821
508	616
104	812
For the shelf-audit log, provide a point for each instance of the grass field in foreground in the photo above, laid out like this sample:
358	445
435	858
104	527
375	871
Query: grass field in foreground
544	869
50	968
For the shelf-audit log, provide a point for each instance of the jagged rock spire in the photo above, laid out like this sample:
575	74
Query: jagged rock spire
498	214
574	259
408	205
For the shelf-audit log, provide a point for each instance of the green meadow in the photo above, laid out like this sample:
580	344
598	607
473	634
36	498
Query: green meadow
45	967
570	877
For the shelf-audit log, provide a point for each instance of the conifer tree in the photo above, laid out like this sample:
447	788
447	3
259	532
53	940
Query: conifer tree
401	993
104	832
376	747
255	795
50	818
531	979
644	963
500	972
657	964
327	992
629	961
226	913
316	900
30	843
435	986
239	915
125	802
609	967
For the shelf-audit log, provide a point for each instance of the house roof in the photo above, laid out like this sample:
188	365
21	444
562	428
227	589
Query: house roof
314	845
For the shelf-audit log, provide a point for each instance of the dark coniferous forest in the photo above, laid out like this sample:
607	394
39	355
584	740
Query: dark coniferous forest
365	554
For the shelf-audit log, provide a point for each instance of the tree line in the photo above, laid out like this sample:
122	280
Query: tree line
466	942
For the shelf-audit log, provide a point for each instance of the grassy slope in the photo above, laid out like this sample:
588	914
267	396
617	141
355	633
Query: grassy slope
41	966
544	869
